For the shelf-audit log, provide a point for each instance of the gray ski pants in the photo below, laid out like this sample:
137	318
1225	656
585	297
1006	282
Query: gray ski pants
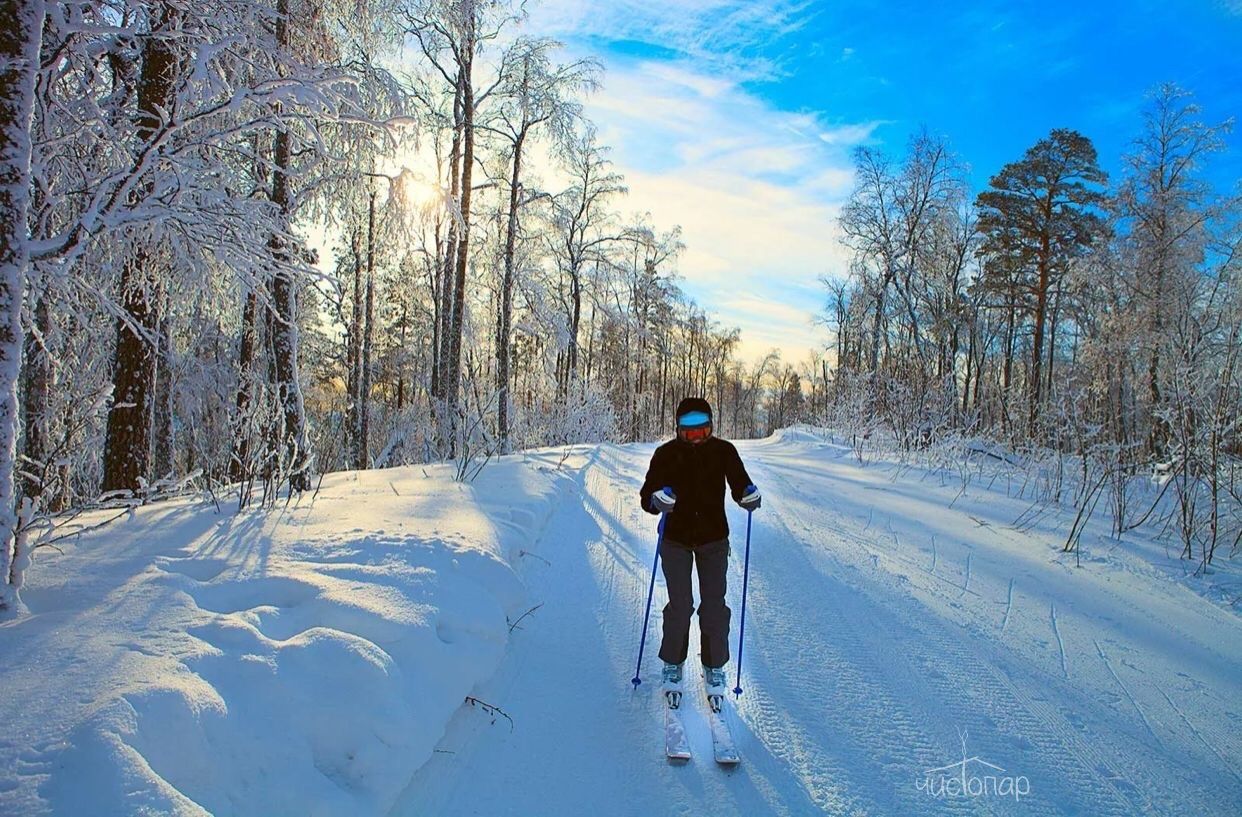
713	562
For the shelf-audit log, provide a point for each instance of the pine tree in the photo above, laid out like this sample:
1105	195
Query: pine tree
1039	214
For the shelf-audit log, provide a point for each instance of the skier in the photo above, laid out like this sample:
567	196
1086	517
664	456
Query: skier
686	480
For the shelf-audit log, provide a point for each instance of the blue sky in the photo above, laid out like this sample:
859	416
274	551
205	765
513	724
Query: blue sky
994	77
736	118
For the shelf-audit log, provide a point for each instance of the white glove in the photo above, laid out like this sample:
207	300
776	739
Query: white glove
663	500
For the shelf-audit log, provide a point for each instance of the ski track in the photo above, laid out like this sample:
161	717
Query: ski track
1052	615
1008	606
907	680
864	667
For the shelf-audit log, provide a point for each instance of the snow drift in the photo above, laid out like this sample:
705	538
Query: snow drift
302	660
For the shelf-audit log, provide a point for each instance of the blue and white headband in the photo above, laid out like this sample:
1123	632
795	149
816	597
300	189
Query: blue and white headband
694	419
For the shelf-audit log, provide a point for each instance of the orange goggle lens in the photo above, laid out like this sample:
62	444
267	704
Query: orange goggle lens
695	435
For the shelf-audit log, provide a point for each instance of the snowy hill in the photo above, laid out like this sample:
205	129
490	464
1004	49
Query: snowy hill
314	659
296	661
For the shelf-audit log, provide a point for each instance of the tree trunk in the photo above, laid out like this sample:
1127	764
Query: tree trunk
1052	341
239	466
590	350
447	294
1159	428
1037	342
437	311
405	318
21	25
352	416
452	385
970	361
163	451
506	298
285	333
1007	365
127	446
875	331
284	302
38	371
575	319
364	382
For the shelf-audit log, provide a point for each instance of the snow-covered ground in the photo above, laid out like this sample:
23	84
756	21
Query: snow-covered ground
299	661
900	638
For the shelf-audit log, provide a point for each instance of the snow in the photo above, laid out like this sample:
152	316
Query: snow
314	659
864	666
302	660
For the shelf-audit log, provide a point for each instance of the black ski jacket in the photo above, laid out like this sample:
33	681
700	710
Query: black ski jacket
697	473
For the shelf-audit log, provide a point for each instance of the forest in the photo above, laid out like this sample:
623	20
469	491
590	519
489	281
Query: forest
1090	326
248	242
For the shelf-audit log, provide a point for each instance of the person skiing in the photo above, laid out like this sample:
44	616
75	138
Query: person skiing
686	480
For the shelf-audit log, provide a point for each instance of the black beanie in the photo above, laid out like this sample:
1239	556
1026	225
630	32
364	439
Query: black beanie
693	404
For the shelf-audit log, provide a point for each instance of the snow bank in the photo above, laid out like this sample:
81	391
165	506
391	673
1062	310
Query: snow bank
302	660
806	437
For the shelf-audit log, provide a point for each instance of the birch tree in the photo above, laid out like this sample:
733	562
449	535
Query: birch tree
537	94
21	22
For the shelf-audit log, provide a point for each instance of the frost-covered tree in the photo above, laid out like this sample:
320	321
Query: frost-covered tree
537	94
1095	329
144	269
225	266
1167	207
20	28
453	38
583	228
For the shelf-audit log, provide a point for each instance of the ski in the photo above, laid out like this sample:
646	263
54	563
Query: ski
722	737
676	745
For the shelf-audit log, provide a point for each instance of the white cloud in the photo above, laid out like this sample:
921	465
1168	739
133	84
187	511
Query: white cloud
849	134
726	35
755	189
708	87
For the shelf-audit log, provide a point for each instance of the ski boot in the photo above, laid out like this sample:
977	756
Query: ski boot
714	681
672	685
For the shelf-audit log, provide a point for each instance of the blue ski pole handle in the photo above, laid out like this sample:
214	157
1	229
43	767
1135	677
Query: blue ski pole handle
741	639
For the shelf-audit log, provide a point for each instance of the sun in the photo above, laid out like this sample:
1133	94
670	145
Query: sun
416	191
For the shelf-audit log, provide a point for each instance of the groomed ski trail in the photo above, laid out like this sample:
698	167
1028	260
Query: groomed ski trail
863	669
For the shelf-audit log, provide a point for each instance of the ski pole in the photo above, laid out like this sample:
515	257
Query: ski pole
741	638
647	616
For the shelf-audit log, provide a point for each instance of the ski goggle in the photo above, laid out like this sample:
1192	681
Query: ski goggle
695	435
694	426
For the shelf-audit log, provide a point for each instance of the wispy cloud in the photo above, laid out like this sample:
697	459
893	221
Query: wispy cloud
722	35
756	191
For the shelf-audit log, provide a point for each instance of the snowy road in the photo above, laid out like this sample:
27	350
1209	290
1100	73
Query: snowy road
887	635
